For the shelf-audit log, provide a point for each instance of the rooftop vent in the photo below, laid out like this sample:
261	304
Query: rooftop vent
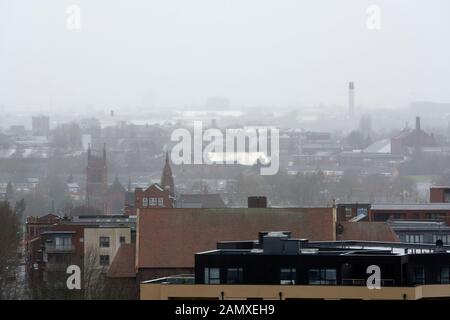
257	202
281	243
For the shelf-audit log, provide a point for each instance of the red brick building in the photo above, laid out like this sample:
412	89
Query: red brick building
153	197
96	180
440	194
115	198
51	248
419	211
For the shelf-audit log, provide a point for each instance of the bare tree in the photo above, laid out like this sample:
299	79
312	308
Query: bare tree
9	252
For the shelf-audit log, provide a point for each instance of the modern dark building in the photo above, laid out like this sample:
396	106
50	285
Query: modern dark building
276	266
275	258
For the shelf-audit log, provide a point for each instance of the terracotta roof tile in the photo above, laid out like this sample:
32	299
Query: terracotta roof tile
169	238
368	231
123	264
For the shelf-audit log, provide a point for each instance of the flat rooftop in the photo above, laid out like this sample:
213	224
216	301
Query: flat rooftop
335	248
412	206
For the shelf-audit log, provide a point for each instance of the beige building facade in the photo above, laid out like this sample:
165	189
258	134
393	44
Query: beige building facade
155	291
101	245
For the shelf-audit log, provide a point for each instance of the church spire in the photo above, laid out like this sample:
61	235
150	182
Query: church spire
167	178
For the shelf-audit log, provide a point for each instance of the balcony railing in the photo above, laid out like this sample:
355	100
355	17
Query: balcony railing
51	248
363	282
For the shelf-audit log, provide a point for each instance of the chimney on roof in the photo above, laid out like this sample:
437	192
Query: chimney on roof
257	202
351	98
418	123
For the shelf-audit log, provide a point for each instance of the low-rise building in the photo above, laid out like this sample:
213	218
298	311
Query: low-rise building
421	231
101	244
277	266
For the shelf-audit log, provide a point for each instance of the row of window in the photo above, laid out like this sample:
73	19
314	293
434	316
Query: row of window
414	238
315	276
152	202
419	238
443	275
287	276
63	241
105	241
444	237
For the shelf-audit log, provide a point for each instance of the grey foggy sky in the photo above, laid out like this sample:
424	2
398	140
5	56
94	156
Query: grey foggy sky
255	52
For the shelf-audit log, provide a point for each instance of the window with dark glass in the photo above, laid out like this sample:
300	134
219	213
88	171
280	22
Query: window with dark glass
444	275
288	275
212	276
234	275
63	242
322	276
104	242
122	239
104	260
418	275
447	196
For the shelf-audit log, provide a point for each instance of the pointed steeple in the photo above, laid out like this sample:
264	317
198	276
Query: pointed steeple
167	178
9	191
116	185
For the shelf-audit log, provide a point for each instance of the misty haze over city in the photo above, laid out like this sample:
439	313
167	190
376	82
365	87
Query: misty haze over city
146	55
141	142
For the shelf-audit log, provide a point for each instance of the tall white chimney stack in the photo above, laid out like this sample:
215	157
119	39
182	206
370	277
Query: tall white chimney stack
351	98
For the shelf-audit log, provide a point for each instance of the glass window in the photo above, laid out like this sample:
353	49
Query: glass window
414	238
145	202
348	212
446	196
212	276
63	241
418	275
288	275
161	202
152	202
234	275
322	276
104	242
444	275
104	260
444	237
122	239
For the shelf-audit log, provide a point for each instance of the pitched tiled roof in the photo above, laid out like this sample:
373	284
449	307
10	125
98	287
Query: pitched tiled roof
123	264
169	238
367	231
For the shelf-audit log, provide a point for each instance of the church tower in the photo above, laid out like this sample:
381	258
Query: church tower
96	179
167	178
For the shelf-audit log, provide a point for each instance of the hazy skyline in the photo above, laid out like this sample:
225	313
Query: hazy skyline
255	52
